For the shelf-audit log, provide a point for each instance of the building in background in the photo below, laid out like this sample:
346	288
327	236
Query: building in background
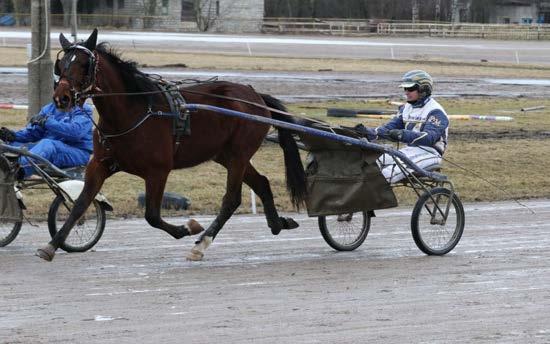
249	15
225	15
515	12
178	15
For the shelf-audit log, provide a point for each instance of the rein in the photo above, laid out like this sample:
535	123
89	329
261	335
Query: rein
90	83
151	113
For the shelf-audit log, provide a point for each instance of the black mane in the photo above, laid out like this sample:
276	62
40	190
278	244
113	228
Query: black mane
134	79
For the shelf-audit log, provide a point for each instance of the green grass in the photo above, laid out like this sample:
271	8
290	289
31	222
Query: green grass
519	166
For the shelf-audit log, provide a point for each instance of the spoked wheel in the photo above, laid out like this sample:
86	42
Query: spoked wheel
433	232
9	229
345	232
87	230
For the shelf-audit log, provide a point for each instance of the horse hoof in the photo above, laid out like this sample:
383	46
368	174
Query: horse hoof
195	255
194	227
289	223
276	231
47	252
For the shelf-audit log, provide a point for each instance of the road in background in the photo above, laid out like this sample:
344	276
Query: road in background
417	48
252	287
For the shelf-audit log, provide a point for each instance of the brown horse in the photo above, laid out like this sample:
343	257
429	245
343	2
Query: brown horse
127	138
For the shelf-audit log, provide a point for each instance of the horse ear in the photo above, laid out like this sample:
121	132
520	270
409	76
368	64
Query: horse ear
65	44
91	41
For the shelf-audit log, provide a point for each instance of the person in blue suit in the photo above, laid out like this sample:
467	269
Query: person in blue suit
63	137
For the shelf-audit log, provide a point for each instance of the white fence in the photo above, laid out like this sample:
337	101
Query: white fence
344	27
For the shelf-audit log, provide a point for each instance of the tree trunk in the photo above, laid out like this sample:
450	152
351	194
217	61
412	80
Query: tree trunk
438	10
204	14
20	7
67	6
455	17
289	8
415	11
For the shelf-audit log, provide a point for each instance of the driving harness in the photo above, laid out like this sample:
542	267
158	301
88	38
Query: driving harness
181	124
181	119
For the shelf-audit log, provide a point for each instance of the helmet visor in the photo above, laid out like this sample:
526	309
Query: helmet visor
407	84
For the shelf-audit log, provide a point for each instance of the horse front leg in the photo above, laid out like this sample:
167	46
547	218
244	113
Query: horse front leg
231	201
154	191
96	173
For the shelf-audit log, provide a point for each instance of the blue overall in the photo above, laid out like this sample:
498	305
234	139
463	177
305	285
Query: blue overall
65	140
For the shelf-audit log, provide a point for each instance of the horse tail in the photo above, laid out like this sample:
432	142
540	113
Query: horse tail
295	174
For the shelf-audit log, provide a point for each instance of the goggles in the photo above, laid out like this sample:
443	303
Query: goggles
411	89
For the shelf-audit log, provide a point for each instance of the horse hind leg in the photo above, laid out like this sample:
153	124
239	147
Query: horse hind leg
260	185
231	201
154	187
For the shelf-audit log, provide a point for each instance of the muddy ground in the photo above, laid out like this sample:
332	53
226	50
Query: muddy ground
252	287
315	86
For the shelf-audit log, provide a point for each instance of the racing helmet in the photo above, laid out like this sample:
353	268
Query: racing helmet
418	78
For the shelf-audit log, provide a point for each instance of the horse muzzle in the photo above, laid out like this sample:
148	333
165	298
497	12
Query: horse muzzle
63	101
63	95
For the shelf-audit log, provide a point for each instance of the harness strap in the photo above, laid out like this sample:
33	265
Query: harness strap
258	105
181	125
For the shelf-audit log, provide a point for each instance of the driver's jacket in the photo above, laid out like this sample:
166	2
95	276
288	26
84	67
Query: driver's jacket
73	128
425	122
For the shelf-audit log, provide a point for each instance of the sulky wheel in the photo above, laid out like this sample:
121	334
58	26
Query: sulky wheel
432	231
345	232
8	231
87	230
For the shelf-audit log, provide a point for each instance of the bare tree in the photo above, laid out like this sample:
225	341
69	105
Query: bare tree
289	8
455	18
67	7
150	10
205	14
20	7
415	11
438	10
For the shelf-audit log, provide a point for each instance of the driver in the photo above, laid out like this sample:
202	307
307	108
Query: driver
63	137
421	123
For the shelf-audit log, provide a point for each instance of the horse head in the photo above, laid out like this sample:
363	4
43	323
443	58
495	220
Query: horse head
76	68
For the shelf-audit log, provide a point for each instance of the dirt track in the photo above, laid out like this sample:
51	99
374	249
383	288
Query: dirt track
256	288
314	86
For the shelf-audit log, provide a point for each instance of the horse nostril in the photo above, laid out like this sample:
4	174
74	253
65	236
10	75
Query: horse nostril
64	101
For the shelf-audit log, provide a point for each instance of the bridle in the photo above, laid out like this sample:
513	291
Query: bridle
63	65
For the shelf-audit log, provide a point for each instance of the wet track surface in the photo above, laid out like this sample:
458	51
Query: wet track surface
317	86
252	287
314	86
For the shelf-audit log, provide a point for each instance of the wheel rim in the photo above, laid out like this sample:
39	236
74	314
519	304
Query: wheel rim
436	235
346	229
85	229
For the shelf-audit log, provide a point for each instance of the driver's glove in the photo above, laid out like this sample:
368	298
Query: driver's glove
396	134
39	120
7	134
367	132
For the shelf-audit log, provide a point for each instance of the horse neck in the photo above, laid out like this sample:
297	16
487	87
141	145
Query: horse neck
116	112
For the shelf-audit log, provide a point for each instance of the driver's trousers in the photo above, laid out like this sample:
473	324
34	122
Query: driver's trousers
425	157
58	153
